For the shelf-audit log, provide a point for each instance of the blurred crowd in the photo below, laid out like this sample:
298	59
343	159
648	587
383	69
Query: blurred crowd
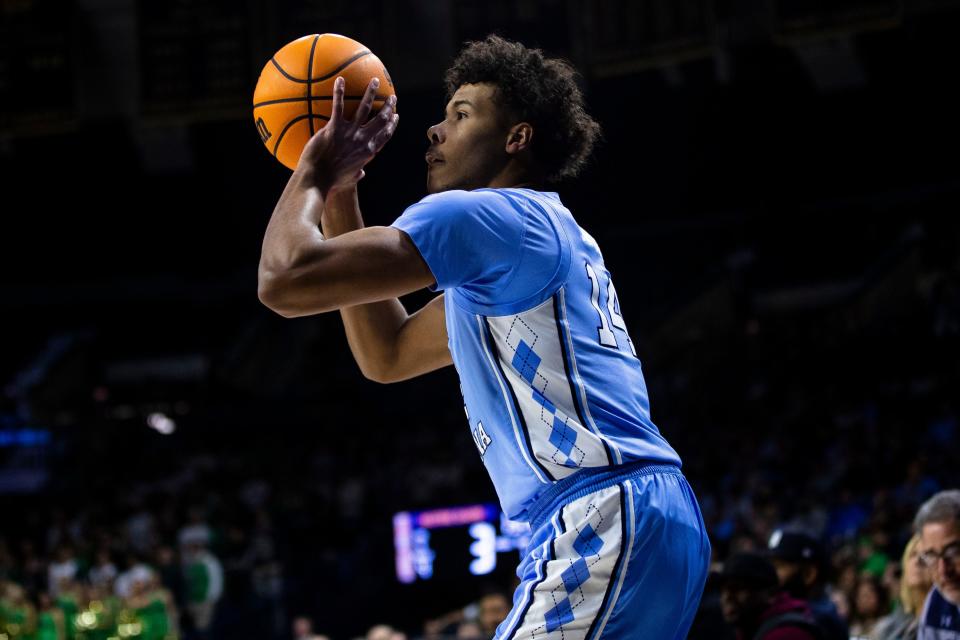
811	446
161	571
268	541
94	588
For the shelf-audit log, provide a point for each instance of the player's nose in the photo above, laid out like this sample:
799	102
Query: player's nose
435	134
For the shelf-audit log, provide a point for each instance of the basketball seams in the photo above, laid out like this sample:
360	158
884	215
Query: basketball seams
285	92
289	124
266	103
343	66
313	49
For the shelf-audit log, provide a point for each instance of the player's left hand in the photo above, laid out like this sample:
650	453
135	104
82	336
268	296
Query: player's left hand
337	153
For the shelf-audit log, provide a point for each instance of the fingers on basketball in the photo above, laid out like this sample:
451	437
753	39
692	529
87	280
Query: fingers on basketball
296	93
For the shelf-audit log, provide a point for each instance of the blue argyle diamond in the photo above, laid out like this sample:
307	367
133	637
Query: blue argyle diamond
559	615
588	543
526	361
562	436
575	575
543	402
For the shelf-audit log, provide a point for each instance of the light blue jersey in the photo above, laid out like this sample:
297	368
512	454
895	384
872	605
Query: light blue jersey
549	375
559	412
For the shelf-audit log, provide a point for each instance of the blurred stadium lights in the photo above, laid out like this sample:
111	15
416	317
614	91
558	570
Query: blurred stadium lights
24	437
161	423
26	452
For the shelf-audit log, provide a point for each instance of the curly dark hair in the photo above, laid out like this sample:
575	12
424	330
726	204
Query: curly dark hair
538	90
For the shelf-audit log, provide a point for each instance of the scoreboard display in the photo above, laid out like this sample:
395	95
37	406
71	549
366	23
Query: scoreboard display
452	543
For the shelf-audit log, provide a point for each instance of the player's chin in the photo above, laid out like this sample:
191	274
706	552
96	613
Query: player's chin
434	185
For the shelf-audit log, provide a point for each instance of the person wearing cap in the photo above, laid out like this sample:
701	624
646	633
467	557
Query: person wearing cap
801	566
755	605
938	523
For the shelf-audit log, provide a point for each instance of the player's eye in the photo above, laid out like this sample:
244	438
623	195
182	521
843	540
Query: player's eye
461	113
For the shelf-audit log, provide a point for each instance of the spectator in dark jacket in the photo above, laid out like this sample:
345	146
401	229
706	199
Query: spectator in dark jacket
757	608
801	565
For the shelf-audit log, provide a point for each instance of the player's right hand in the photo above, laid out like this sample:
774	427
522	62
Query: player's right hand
337	153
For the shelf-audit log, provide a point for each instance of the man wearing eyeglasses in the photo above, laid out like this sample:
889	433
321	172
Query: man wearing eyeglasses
938	523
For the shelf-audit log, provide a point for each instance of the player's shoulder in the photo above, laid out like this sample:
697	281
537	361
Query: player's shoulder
461	199
484	206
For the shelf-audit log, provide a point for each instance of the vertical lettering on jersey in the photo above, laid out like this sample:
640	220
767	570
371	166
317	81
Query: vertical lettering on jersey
528	345
481	439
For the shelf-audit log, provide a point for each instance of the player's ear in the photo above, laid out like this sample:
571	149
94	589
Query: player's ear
519	137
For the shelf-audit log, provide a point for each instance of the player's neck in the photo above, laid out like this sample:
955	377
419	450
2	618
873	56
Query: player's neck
516	176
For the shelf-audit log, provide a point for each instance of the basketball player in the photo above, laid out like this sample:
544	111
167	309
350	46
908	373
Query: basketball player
528	314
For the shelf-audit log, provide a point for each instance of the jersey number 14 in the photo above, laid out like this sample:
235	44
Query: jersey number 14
605	333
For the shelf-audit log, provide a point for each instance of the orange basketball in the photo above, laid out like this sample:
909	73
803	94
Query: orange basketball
294	94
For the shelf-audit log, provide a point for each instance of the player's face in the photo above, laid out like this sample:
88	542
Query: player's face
937	538
467	149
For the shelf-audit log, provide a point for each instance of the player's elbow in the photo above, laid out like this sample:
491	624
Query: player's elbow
381	365
379	373
295	290
379	379
277	308
268	291
289	292
275	294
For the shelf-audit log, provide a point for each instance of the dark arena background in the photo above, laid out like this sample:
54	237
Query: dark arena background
776	194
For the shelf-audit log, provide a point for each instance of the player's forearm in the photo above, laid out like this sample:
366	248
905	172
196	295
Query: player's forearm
293	231
372	329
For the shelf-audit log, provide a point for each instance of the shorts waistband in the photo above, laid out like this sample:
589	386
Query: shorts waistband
587	481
